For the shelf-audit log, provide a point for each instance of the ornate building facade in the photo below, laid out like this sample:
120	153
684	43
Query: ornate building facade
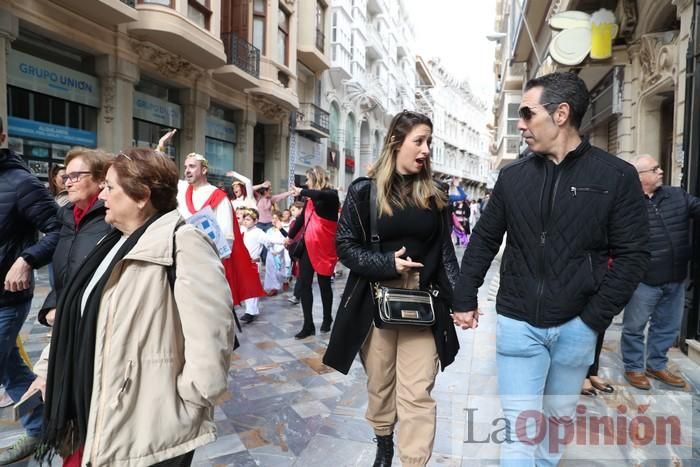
460	137
228	74
372	77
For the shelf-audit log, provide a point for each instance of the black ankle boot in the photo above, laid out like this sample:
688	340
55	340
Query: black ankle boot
326	325
385	451
304	333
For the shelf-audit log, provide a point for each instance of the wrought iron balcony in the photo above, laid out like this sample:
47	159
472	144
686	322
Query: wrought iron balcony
131	3
241	53
320	40
315	120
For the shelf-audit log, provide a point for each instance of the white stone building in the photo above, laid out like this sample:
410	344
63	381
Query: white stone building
372	77
460	137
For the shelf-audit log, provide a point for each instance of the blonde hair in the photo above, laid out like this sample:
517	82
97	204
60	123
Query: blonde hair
318	177
423	189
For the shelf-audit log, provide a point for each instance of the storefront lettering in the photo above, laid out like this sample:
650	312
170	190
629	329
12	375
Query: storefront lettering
55	78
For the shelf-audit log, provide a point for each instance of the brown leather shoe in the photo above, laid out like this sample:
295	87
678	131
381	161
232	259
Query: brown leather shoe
667	377
637	379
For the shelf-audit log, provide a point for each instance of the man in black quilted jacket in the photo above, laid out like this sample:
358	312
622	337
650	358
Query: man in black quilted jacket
659	298
26	207
566	207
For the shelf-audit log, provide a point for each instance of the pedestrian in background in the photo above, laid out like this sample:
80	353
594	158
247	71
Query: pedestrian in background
660	297
566	208
57	186
143	331
26	208
414	227
319	219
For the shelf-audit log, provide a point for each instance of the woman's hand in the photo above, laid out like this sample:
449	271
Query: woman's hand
404	265
295	190
51	316
40	384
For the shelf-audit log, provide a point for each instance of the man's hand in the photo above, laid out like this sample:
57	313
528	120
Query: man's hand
466	319
165	139
40	384
51	316
19	277
404	265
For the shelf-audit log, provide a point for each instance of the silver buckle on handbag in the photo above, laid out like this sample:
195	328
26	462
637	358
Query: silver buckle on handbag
409	314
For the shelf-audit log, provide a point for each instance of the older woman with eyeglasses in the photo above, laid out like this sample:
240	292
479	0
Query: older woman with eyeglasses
82	220
142	341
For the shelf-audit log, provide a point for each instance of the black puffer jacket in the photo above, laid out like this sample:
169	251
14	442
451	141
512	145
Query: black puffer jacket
73	247
670	210
355	313
562	223
26	207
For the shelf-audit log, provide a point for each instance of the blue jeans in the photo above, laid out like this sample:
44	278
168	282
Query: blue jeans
540	373
662	307
16	377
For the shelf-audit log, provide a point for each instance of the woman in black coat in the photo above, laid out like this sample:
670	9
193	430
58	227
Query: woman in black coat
82	220
416	252
318	221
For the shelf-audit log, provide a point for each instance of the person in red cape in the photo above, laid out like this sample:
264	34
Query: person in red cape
319	219
196	193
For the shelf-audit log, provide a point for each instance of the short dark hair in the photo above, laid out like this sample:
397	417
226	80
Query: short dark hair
142	171
563	87
2	127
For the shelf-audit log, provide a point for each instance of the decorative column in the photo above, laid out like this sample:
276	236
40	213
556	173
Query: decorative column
9	30
195	104
245	130
115	127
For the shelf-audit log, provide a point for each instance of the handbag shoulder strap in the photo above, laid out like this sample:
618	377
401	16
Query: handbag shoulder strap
374	239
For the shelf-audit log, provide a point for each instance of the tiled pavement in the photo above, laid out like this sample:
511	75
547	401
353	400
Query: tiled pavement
285	408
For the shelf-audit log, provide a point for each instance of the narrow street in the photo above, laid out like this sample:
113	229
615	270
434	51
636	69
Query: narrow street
285	408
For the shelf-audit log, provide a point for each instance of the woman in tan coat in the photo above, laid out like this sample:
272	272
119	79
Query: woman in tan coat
143	335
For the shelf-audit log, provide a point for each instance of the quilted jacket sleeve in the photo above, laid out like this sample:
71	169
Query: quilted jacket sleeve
37	207
693	205
352	238
483	245
628	232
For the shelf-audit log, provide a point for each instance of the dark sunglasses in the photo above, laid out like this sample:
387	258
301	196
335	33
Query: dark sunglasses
526	113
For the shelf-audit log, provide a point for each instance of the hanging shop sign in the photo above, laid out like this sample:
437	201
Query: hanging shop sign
582	35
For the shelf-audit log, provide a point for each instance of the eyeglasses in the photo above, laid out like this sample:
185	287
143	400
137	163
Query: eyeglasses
526	113
655	169
74	176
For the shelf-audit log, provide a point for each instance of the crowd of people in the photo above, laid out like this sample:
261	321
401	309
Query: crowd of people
146	269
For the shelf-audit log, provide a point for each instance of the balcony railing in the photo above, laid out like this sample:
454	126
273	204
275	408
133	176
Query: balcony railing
131	3
320	40
316	116
241	53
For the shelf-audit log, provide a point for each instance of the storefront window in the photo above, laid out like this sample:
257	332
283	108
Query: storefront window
220	155
148	134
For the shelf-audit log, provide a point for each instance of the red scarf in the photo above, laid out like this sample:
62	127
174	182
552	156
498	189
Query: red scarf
241	272
78	213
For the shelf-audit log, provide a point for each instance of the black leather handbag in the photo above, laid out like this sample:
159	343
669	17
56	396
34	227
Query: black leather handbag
397	306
